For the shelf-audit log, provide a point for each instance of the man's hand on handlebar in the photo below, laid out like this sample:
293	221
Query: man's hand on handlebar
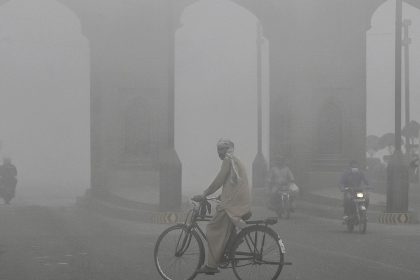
344	188
198	198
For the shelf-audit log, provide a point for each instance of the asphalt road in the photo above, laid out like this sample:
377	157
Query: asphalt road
69	243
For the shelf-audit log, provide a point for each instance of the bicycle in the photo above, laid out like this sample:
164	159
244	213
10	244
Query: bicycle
254	252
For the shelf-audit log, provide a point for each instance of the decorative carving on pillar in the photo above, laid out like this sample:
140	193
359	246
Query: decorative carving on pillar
137	130
330	137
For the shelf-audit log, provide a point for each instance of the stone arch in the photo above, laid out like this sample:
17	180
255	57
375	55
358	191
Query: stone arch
380	71
371	8
374	5
249	5
68	9
207	144
50	72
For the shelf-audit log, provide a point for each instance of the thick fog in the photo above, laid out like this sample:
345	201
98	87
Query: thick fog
45	85
87	84
216	83
44	108
380	68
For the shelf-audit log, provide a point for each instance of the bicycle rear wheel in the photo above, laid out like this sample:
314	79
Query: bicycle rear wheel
363	222
257	254
178	253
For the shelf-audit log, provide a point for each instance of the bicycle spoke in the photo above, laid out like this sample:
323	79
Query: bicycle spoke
251	245
259	256
269	250
191	254
178	253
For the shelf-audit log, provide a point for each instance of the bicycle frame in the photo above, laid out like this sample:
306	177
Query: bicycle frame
255	244
193	226
251	242
255	255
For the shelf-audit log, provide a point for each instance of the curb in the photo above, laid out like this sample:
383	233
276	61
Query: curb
398	218
142	215
168	217
312	205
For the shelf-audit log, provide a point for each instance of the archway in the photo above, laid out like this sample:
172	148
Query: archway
380	68
216	88
380	86
45	86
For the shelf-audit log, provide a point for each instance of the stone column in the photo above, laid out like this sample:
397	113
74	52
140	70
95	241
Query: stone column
397	170
259	166
170	177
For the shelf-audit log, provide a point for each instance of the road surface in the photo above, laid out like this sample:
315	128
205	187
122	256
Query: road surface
70	243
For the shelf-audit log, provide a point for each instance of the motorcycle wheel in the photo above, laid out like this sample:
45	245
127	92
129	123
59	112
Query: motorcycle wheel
287	209
350	225
279	213
363	223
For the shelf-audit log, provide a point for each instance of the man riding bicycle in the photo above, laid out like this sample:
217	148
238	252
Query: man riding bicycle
235	203
351	179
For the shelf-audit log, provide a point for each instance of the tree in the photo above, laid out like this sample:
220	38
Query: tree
387	141
372	144
411	132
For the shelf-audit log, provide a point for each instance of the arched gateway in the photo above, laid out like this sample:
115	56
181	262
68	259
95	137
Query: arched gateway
317	54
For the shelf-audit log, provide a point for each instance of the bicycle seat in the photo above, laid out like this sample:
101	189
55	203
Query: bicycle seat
268	221
247	216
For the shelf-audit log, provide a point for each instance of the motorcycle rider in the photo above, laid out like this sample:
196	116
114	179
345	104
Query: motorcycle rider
352	179
8	181
279	179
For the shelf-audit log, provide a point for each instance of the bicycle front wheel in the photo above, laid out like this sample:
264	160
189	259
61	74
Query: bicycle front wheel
178	253
257	254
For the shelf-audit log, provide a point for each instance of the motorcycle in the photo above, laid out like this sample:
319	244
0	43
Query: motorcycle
281	203
358	215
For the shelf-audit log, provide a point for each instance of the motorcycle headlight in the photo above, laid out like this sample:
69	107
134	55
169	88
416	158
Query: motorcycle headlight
359	194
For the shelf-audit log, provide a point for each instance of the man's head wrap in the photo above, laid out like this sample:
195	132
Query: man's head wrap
227	145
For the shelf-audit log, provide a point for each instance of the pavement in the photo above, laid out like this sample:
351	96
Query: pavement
72	243
331	199
141	206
